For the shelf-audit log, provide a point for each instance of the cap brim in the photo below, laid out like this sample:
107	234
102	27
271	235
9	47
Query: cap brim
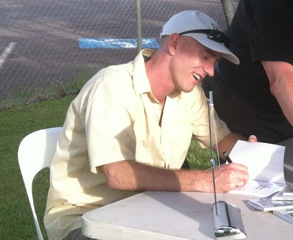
218	47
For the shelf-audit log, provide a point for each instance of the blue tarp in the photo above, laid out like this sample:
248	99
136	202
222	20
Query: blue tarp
88	43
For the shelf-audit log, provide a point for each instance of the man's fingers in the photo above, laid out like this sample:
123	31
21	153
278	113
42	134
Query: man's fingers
252	138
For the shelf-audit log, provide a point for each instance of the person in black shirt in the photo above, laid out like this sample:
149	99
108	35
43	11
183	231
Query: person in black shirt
256	96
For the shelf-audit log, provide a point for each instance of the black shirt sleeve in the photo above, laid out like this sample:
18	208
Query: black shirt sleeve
270	30
260	30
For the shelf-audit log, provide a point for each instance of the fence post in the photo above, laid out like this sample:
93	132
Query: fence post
138	25
228	11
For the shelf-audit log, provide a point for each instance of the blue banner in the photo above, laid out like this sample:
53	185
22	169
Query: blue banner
88	43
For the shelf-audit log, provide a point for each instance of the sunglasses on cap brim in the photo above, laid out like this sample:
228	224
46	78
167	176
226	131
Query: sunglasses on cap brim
212	34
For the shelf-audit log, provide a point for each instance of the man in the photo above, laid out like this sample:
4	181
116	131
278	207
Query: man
257	95
130	127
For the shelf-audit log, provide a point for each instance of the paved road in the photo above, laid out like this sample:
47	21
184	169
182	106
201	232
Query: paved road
44	37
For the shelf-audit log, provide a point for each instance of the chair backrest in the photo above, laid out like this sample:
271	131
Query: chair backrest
35	153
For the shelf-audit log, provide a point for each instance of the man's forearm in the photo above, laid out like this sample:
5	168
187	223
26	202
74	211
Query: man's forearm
134	176
228	143
284	95
280	75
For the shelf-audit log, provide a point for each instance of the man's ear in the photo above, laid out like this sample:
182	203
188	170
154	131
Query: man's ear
173	42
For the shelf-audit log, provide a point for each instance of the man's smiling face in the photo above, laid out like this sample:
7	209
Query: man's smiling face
191	62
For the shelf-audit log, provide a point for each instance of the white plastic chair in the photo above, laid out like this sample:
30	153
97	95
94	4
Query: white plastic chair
35	153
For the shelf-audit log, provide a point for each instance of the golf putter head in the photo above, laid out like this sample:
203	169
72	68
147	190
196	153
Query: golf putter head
228	221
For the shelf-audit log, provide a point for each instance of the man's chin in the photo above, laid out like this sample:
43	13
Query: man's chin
190	88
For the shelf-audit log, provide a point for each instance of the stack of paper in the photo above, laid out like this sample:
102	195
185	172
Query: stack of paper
268	204
265	167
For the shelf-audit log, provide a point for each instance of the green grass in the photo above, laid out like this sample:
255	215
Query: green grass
15	215
48	92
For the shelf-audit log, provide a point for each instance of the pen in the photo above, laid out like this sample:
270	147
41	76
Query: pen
227	157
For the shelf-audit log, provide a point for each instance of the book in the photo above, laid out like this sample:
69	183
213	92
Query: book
283	195
265	163
286	214
268	204
258	188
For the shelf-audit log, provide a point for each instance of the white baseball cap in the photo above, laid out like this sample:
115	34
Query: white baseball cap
202	28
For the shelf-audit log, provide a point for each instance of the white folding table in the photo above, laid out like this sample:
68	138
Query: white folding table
175	215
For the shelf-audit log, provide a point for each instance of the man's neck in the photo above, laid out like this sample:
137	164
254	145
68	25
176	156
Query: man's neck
160	81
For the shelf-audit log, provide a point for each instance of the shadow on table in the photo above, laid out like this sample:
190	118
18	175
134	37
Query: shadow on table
199	213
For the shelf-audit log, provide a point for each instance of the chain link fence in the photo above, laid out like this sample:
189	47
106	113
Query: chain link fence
50	48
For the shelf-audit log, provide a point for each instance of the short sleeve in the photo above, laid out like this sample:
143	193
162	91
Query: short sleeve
200	120
270	31
109	132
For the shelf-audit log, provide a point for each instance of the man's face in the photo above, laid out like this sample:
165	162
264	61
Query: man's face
191	62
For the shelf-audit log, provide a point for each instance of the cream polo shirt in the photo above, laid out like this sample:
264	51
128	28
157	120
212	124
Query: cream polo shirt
115	117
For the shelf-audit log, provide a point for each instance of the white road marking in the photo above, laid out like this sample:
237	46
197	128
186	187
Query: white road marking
6	53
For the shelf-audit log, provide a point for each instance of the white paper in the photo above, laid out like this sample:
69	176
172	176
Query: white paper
265	167
267	204
259	188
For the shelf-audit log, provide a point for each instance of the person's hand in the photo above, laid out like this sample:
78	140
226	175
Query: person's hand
229	177
252	138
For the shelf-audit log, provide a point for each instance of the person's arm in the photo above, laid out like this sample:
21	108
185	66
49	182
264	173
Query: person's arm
134	176
280	76
227	143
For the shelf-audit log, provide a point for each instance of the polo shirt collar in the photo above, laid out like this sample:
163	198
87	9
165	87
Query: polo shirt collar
141	82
